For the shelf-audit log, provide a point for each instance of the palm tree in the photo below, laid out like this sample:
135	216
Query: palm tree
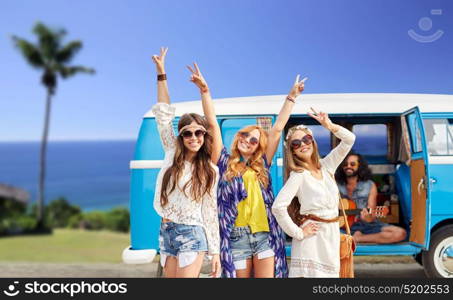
53	58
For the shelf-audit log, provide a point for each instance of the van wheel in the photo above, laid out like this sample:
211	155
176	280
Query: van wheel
438	261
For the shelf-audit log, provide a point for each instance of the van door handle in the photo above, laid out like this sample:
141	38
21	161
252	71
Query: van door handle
421	184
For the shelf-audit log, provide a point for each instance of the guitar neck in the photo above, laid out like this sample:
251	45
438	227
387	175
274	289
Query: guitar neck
379	211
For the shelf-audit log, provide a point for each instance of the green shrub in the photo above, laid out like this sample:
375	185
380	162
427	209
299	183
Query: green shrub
75	221
117	219
94	220
11	208
59	211
15	225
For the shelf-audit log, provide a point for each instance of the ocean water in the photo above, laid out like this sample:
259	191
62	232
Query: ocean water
93	175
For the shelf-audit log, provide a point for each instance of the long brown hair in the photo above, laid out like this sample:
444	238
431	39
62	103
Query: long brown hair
203	174
236	167
294	163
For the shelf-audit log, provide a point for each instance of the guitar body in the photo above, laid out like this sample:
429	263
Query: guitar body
351	212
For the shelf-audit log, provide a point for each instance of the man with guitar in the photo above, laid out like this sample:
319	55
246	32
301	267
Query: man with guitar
354	182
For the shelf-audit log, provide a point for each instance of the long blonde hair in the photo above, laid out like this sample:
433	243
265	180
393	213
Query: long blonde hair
236	167
294	163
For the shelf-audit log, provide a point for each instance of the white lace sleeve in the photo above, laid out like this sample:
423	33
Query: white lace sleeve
211	218
336	156
165	114
281	203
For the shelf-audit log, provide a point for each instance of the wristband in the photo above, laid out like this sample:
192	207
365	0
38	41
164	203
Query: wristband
290	99
162	77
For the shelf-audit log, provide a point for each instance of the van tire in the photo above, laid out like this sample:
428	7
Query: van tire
428	257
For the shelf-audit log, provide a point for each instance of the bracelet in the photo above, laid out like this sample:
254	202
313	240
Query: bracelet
204	90
161	77
290	99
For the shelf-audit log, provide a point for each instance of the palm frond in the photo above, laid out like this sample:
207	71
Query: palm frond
66	72
66	54
29	51
49	40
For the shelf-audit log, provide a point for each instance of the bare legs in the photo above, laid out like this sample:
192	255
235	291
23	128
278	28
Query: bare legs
262	268
172	269
388	235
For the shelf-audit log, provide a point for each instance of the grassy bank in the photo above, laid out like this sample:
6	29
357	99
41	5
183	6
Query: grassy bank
65	246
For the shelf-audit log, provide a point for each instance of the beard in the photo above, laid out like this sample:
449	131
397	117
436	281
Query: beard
351	174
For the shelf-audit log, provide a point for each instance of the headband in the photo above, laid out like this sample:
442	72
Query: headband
294	128
194	127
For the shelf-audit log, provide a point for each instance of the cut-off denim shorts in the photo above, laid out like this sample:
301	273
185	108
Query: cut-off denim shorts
245	244
182	241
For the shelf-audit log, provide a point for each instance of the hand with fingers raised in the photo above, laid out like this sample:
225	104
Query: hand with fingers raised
197	78
297	89
159	60
322	118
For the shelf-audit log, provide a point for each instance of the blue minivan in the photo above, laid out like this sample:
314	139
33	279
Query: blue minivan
406	138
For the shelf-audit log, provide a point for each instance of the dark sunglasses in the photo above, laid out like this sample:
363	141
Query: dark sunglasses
253	140
187	134
352	164
307	140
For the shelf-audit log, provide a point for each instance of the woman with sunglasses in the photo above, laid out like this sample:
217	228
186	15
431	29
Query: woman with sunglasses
250	236
316	243
186	187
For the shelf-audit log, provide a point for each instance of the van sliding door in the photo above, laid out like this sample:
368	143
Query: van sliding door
420	190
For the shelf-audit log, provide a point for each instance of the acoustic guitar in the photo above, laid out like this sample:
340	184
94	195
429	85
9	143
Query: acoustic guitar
352	211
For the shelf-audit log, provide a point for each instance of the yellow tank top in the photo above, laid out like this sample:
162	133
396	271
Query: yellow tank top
251	210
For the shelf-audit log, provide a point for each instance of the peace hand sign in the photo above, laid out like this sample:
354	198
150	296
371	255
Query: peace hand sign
298	87
159	60
322	118
197	78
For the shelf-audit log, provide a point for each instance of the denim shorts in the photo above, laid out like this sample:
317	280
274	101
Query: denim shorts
245	244
175	239
368	227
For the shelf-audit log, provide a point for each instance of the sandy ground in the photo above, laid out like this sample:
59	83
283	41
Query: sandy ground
120	270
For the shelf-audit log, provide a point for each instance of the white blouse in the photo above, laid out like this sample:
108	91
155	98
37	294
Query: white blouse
316	255
180	208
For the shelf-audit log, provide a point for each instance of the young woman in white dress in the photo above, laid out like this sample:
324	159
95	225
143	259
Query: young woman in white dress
315	245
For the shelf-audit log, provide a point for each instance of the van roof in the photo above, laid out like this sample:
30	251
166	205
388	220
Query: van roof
368	103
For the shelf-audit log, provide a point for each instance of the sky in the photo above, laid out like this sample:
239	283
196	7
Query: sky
244	48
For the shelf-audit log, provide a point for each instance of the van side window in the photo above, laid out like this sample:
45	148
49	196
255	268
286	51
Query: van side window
439	136
371	139
322	137
416	139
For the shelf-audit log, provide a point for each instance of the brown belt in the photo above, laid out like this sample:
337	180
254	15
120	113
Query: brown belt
300	219
165	220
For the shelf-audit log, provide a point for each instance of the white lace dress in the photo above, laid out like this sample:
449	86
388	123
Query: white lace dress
316	255
182	209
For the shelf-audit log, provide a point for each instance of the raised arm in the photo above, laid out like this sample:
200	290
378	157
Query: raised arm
209	112
336	156
283	117
162	110
162	88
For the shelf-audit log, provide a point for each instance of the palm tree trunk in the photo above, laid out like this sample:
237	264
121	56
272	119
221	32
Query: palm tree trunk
42	161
